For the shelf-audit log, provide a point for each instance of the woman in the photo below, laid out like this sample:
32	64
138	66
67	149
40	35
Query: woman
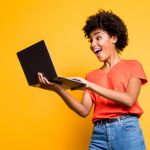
113	89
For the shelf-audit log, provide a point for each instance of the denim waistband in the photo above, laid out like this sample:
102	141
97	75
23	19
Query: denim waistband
110	120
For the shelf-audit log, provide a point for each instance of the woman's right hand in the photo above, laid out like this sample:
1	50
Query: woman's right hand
45	84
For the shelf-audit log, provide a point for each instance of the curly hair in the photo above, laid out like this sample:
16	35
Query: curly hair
110	23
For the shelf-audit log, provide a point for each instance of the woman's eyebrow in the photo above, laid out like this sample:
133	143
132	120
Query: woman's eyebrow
96	33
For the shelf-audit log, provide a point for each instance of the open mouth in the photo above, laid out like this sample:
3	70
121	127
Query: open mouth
96	51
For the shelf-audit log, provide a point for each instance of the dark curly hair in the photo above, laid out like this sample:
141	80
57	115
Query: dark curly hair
109	22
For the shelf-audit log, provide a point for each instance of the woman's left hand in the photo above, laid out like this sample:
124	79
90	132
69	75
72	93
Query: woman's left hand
80	80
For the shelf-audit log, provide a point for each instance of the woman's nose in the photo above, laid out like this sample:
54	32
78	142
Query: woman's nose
93	43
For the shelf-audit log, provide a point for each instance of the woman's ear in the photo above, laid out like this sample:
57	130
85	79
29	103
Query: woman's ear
114	39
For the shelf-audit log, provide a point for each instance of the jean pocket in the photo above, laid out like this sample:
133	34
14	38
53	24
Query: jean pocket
131	124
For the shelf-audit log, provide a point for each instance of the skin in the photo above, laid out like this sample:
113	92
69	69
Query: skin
99	40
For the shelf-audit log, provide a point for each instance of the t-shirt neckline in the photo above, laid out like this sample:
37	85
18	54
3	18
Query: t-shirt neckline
115	66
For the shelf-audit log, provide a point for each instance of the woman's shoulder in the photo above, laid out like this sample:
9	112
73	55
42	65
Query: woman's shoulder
131	65
131	61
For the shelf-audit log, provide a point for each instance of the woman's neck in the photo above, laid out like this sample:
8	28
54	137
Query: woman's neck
111	62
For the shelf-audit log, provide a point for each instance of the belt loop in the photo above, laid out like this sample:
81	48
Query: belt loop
119	121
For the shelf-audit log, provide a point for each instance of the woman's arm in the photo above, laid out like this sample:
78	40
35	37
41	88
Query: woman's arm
126	98
81	108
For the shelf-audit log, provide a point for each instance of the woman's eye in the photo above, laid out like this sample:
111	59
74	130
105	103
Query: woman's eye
99	38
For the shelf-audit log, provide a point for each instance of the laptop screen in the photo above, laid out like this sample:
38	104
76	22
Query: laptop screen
34	59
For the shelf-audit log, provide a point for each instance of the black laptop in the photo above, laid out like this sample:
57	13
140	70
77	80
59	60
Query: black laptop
36	58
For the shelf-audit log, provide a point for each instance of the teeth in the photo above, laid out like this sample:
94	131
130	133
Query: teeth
97	50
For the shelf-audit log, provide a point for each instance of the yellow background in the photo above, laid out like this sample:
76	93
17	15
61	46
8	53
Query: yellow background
35	119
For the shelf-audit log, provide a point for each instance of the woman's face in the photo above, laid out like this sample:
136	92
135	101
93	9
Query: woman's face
102	44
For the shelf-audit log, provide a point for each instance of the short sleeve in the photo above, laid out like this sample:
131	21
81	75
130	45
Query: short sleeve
91	94
138	72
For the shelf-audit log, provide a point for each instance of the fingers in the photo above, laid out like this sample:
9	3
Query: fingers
75	79
42	79
79	79
45	84
46	81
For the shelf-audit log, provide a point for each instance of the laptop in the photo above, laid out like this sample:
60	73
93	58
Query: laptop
36	58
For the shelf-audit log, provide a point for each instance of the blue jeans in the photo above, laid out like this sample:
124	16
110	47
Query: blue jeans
123	134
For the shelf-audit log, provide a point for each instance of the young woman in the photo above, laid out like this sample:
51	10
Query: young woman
113	89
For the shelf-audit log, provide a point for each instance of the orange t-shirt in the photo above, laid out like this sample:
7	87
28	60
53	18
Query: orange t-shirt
117	79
